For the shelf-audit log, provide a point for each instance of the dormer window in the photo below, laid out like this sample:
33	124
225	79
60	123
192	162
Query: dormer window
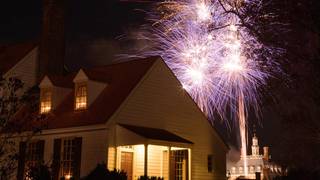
45	101
81	96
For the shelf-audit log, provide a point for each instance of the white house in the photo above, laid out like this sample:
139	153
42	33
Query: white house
133	116
256	165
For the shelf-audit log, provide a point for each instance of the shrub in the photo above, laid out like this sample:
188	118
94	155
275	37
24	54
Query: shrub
101	173
39	172
150	178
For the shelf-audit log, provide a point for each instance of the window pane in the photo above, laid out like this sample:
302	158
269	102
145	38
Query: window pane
81	97
67	160
45	105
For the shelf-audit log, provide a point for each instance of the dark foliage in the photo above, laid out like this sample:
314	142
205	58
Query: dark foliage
300	174
291	116
39	172
150	178
15	102
101	173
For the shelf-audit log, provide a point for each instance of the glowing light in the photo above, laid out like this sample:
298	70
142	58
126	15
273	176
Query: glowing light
233	27
203	11
68	176
217	61
242	125
232	66
196	75
139	149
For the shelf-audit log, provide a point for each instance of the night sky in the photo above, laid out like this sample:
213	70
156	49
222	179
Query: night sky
290	121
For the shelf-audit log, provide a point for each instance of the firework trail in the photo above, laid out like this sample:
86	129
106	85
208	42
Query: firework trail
213	54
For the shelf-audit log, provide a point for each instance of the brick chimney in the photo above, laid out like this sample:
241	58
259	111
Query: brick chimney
52	45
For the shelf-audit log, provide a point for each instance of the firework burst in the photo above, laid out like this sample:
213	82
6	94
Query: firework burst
213	54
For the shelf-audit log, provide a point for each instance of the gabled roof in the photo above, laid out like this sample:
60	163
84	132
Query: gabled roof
121	79
154	133
10	55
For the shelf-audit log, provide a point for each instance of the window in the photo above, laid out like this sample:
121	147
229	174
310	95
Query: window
259	168
251	169
81	96
67	158
34	154
210	163
233	170
180	165
240	170
45	105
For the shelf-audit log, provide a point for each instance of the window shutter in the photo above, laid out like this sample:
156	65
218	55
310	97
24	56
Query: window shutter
22	157
210	163
172	170
56	159
77	158
40	147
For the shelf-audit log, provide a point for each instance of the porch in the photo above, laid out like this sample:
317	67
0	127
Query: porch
143	151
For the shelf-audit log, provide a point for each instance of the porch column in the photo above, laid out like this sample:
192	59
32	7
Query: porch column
189	163
116	157
169	164
146	159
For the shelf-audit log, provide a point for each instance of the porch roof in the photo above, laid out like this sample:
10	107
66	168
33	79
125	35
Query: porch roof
156	134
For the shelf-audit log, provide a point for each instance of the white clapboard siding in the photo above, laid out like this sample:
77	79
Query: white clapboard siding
94	146
154	160
159	101
26	69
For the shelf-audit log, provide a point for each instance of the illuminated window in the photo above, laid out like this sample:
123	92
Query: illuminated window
67	158
251	169
259	168
233	170
240	170
45	104
180	164
81	96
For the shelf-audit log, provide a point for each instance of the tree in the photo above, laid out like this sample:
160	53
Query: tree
18	115
296	103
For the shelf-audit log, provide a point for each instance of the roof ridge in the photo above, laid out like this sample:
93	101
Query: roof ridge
117	63
127	61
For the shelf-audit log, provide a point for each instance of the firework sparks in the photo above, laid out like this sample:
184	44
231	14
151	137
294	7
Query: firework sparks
211	54
215	58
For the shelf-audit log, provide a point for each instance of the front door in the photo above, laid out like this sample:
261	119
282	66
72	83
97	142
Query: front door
127	163
179	165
